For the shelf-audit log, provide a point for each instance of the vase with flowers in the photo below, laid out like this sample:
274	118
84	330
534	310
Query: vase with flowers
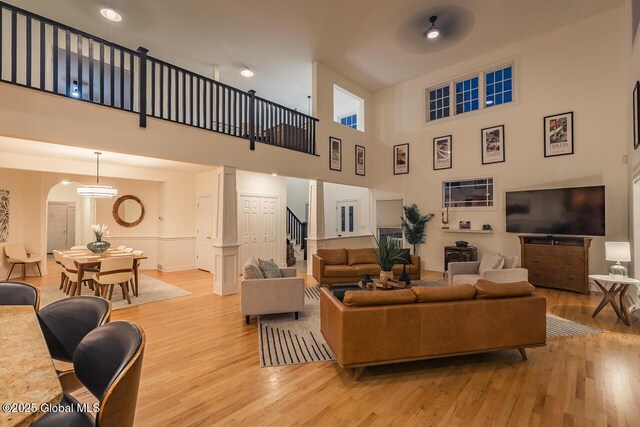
99	246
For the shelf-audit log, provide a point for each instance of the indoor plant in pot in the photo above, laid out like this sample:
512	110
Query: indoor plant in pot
413	226
387	254
99	246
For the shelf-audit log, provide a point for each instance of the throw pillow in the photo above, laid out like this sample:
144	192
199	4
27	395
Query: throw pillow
270	269
510	262
491	262
251	271
404	257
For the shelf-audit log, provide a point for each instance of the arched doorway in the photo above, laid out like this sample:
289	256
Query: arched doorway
69	217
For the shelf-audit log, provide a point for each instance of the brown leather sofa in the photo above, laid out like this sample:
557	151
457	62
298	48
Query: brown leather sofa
333	266
382	327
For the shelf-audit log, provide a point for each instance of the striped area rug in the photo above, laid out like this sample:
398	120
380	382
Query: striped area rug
286	341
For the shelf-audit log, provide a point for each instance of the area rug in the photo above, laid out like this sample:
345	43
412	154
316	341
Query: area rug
286	341
149	290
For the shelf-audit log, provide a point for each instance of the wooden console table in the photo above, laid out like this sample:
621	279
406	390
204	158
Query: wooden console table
557	262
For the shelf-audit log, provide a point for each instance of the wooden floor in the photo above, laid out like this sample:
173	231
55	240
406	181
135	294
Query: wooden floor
201	368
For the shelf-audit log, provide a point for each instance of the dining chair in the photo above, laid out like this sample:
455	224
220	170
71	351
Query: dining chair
114	271
17	255
65	323
121	248
57	257
16	293
71	270
132	282
108	362
128	250
79	248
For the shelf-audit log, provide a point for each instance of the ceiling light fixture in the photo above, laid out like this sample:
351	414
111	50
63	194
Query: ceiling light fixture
274	174
111	14
75	92
247	72
97	191
434	31
65	182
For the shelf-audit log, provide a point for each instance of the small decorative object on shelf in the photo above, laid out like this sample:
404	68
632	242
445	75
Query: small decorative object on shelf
445	219
487	227
618	252
462	244
99	246
404	277
465	225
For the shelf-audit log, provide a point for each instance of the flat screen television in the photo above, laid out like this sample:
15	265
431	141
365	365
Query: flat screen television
577	211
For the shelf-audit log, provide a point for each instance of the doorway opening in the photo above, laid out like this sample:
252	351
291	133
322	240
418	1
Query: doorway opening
69	217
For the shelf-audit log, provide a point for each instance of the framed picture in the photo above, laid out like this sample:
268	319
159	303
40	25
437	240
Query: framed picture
360	160
492	144
558	135
400	159
4	215
442	152
335	154
636	115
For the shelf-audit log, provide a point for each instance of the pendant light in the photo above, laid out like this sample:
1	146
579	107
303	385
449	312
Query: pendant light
97	191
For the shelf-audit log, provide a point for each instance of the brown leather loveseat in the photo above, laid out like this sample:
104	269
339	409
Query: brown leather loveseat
382	327
332	266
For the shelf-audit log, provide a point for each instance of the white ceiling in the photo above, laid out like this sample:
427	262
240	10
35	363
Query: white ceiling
52	152
376	43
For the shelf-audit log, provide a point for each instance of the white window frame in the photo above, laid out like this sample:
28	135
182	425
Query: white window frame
494	206
481	74
360	112
355	203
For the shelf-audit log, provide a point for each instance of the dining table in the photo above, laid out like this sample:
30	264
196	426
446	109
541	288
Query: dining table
86	261
29	385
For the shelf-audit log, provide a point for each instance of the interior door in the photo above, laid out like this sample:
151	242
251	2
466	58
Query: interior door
57	225
268	229
71	225
204	233
248	228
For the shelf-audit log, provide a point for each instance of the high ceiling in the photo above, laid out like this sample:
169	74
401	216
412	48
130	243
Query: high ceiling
376	43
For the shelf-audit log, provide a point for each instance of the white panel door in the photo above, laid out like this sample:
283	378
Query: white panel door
57	227
204	233
71	225
258	227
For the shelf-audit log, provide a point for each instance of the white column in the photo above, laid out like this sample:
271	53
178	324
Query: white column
225	243
315	228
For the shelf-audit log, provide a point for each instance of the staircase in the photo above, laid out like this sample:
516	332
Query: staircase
297	235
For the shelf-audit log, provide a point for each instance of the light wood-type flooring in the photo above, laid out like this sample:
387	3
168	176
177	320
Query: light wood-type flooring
201	368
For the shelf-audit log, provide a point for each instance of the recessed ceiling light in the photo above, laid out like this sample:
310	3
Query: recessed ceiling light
274	174
247	72
65	182
434	31
111	14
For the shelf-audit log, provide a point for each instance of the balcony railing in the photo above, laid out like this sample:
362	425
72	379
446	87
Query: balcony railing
38	53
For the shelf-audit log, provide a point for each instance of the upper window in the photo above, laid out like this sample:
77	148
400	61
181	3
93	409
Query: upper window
470	193
484	89
439	103
350	120
467	95
348	109
347	217
498	86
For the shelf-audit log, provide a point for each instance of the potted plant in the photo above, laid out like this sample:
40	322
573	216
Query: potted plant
387	253
99	246
414	225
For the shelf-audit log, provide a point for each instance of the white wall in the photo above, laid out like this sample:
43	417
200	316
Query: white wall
569	69
298	196
338	192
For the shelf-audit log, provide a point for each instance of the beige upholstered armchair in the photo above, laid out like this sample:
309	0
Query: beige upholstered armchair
472	271
271	296
17	255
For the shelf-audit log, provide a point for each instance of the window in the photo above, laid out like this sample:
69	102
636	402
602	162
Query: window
476	92
439	103
467	95
348	109
471	193
350	121
498	86
347	220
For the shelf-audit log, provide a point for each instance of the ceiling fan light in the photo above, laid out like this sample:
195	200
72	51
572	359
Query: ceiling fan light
247	72
433	33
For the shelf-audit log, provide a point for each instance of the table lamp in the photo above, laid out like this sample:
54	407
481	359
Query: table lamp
619	252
